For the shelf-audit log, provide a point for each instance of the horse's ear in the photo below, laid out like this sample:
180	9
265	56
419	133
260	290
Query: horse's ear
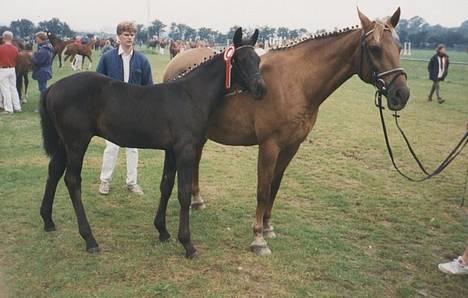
395	18
254	37
365	22
238	37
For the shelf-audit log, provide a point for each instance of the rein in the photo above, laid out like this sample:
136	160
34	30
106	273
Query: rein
382	88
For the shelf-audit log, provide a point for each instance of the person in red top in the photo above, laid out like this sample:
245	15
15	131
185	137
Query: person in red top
8	55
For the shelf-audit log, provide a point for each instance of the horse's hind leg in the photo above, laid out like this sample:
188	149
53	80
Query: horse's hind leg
26	84
197	201
75	155
19	85
284	159
56	170
167	184
267	159
90	63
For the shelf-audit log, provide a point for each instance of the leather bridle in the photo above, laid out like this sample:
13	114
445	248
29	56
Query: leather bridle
377	77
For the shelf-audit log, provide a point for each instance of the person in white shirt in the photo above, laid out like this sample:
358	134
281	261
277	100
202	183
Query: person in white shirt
125	64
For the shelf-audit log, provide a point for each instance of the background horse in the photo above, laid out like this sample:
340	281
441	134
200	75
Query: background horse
58	44
88	104
300	76
24	65
74	49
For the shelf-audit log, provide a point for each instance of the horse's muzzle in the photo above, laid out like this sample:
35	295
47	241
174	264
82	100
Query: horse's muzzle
258	88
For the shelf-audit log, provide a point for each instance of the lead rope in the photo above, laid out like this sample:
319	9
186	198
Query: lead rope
464	191
444	164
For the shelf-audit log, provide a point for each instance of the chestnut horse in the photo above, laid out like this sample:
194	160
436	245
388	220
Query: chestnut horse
58	44
24	65
85	50
300	77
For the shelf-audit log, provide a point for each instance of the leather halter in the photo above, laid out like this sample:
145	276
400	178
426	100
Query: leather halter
377	77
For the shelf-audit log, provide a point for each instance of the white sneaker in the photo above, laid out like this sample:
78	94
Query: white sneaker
104	188
457	266
136	189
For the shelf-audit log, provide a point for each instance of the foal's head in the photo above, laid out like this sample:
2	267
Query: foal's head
246	64
380	60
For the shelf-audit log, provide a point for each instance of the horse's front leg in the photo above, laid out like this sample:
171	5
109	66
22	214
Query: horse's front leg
185	160
90	63
284	158
197	201
267	158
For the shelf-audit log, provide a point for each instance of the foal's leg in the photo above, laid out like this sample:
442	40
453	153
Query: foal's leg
267	157
75	154
284	159
56	170
185	159
197	201
167	184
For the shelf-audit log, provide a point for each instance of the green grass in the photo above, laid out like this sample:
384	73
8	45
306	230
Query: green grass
348	225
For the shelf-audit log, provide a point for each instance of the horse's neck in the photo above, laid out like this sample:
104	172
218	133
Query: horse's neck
326	64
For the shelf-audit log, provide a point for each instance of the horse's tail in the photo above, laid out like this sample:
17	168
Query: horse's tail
49	132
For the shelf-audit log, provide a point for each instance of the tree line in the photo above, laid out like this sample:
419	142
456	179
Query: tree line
415	30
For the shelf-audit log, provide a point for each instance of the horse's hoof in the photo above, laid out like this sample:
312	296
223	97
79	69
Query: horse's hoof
260	250
269	234
164	237
50	229
193	255
93	250
198	206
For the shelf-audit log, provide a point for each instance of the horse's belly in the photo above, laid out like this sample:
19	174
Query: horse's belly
231	124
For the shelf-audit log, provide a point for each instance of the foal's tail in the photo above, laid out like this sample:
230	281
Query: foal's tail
49	132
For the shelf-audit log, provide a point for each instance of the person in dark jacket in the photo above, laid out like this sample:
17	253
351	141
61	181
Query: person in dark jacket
124	64
438	70
42	61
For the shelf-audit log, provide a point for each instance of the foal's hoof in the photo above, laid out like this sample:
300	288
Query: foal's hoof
93	250
193	255
50	228
164	237
261	250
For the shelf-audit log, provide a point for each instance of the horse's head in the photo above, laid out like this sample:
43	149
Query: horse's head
246	64
380	60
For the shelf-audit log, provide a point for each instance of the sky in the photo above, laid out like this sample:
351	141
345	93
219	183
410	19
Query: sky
97	15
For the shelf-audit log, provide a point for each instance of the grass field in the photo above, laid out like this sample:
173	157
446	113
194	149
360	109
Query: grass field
347	224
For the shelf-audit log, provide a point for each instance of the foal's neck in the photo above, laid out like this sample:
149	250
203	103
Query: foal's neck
206	84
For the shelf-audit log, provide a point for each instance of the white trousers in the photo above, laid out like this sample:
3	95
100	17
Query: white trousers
109	160
8	90
76	64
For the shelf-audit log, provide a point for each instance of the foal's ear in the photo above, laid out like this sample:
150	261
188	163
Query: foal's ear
238	37
254	37
365	22
395	18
